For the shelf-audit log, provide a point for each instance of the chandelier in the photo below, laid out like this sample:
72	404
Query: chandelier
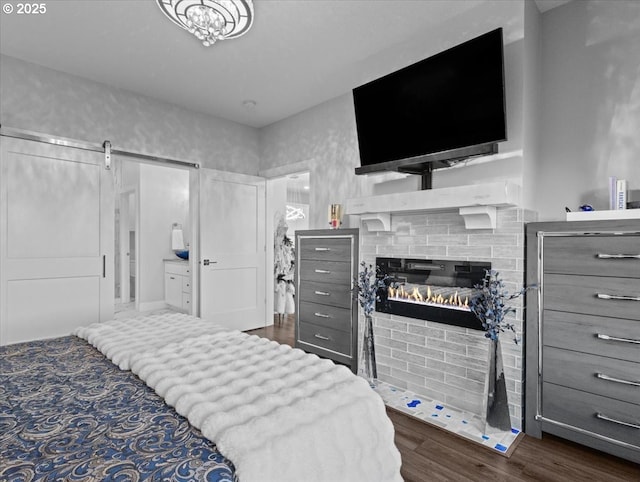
210	20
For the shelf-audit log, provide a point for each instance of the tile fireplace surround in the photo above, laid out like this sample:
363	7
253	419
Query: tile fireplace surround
439	361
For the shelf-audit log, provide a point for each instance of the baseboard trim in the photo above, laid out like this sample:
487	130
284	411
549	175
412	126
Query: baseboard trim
152	305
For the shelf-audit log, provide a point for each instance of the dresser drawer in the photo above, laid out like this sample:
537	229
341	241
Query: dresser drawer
593	255
324	315
580	294
598	335
333	294
585	411
604	376
325	271
325	249
327	338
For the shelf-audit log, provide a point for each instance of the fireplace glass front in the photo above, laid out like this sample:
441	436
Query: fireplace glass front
433	290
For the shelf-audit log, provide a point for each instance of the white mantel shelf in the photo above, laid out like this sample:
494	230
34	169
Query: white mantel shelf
476	202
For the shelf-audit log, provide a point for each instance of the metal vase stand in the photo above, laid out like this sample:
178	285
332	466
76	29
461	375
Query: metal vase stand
495	404
369	370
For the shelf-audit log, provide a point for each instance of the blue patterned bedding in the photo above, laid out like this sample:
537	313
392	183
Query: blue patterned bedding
68	413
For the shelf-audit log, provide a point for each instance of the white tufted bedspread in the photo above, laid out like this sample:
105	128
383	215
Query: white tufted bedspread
277	413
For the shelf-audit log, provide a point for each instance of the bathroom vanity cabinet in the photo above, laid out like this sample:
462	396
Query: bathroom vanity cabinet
177	285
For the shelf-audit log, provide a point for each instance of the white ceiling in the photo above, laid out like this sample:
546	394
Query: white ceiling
297	54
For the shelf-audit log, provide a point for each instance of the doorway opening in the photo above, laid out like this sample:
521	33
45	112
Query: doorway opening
289	202
125	250
150	201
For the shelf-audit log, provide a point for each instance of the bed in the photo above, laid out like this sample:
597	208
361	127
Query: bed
174	397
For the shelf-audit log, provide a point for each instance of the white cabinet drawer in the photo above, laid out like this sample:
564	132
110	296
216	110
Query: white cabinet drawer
186	284
177	267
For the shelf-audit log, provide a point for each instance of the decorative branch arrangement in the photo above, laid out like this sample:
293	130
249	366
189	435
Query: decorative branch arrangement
489	305
368	286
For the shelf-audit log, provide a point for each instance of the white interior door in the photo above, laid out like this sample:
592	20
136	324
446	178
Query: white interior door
56	240
232	249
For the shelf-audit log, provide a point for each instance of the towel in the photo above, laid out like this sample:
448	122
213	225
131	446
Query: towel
177	239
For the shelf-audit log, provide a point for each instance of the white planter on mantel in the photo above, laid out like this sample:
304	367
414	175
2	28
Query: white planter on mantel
477	204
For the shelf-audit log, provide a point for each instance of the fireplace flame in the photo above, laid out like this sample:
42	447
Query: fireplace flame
415	294
453	300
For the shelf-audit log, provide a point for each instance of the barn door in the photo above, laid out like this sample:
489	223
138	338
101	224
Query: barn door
56	240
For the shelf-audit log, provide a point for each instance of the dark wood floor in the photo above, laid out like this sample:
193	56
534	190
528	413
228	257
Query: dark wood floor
432	454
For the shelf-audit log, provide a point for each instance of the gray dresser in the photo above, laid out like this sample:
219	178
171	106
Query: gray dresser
583	334
326	310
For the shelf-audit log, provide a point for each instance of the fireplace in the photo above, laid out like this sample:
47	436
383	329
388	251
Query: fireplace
433	290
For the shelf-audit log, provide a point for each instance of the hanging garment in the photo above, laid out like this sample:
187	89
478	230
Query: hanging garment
280	301
290	305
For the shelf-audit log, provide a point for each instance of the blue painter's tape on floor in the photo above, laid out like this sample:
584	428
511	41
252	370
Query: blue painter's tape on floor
500	447
414	403
439	407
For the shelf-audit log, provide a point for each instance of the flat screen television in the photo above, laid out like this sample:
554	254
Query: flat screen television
444	108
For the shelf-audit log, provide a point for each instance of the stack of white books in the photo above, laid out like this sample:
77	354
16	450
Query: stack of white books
617	193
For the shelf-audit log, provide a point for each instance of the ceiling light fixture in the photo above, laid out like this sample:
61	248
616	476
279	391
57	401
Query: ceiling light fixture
210	20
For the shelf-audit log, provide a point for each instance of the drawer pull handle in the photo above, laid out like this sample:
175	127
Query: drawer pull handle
323	271
604	296
321	315
618	256
323	249
320	337
615	338
322	293
602	376
619	422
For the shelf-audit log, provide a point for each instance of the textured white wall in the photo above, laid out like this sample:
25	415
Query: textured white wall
325	135
164	200
44	100
590	120
531	104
